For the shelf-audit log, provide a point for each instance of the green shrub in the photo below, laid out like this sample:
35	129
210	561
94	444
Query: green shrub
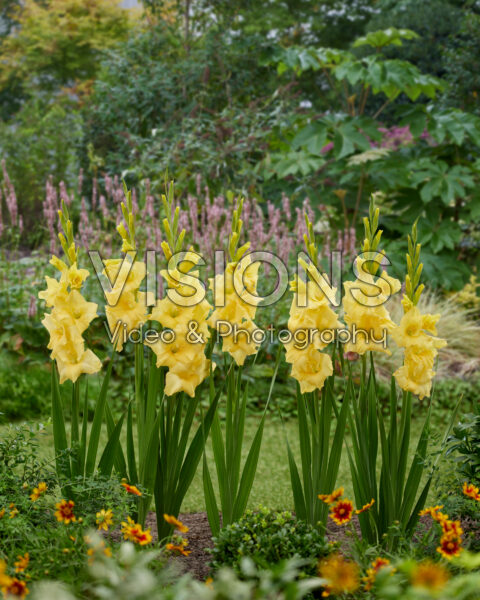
268	537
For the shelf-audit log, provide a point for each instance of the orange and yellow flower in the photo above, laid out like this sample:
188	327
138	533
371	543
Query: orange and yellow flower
341	512
131	489
22	563
333	497
430	576
377	564
15	589
365	507
133	532
450	546
38	491
471	491
178	525
342	575
178	548
64	512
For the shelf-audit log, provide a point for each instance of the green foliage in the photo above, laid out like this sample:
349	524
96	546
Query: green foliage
425	168
464	447
60	41
268	537
41	141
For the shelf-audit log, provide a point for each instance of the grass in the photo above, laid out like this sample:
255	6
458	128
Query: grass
272	483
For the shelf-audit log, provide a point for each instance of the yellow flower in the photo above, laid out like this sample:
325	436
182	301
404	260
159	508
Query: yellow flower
186	376
70	317
342	575
430	576
5	580
178	525
240	343
416	373
88	363
365	311
413	327
38	491
22	563
309	367
13	511
104	519
341	512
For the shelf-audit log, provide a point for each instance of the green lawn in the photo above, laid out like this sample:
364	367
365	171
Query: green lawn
272	484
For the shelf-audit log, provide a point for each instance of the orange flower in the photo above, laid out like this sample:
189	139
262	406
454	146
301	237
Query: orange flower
64	511
2	513
16	588
13	510
133	531
178	548
331	498
377	564
131	489
341	512
97	549
431	576
342	575
471	491
434	512
365	507
453	528
450	546
22	563
38	491
178	525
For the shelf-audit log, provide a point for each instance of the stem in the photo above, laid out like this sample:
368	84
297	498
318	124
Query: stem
359	196
382	108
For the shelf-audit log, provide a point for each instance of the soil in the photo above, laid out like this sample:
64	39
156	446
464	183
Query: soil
200	538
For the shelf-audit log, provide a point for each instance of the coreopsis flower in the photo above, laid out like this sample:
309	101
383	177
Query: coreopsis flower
178	548
15	589
342	575
365	507
126	307
64	512
371	576
104	519
2	513
450	546
13	510
131	489
365	313
430	576
434	512
38	491
70	316
471	491
176	524
341	512
234	320
22	563
133	532
333	497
